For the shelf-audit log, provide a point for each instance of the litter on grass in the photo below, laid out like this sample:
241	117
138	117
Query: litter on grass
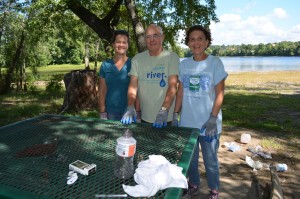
232	146
259	151
257	165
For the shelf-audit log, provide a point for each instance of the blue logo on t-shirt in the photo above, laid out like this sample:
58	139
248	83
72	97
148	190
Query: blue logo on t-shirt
204	82
157	74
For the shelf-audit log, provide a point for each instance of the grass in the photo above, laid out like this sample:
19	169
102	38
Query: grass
267	101
45	73
260	111
271	143
19	106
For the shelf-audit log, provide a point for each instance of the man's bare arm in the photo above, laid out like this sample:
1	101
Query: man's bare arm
171	92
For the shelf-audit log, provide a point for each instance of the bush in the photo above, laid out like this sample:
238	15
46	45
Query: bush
55	84
32	88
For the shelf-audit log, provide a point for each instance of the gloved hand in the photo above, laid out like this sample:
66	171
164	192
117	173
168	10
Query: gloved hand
161	119
129	116
210	127
138	117
103	115
175	119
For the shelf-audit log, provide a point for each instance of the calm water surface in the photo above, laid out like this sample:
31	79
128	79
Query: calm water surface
243	64
237	64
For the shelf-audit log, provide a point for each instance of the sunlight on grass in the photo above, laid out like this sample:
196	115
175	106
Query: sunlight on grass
271	143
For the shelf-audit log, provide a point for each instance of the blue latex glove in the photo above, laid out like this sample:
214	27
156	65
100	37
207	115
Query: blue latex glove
161	119
175	119
129	116
210	128
103	115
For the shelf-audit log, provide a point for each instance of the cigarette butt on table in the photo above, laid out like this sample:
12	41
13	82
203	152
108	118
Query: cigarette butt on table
111	195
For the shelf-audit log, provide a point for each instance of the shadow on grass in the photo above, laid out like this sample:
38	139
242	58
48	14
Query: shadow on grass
260	111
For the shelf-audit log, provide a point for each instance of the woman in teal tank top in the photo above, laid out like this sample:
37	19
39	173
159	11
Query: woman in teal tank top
114	79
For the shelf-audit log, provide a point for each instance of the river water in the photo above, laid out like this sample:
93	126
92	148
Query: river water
244	64
241	64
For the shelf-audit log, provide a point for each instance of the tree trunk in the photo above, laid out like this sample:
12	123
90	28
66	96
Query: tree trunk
139	30
81	90
87	56
15	62
97	44
24	76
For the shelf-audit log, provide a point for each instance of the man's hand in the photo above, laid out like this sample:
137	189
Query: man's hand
138	117
103	115
210	128
129	116
175	119
161	118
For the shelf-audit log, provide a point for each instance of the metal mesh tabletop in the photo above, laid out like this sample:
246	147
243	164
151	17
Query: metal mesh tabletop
35	155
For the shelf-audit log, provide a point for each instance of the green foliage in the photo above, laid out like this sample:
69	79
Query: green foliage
32	88
55	84
177	15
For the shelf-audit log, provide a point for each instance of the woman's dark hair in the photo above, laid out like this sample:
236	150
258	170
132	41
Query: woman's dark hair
119	32
201	28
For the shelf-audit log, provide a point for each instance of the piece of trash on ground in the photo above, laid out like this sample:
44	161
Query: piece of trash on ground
259	151
245	138
281	167
256	165
232	146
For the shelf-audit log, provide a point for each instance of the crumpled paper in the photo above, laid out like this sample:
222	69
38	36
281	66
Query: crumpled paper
256	165
259	151
155	174
232	146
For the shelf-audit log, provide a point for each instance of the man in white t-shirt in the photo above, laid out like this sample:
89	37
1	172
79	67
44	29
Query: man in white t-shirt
154	76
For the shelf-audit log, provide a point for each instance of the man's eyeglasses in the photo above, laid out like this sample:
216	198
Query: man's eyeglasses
154	36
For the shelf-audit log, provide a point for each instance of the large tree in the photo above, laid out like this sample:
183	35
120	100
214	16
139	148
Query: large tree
171	15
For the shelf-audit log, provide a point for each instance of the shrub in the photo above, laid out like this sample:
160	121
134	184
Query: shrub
55	84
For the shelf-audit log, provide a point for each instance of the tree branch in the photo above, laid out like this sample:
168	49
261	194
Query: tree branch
100	26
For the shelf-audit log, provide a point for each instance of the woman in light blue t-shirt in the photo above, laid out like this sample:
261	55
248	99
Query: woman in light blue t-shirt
199	100
114	79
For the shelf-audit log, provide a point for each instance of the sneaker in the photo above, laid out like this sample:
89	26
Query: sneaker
192	191
213	195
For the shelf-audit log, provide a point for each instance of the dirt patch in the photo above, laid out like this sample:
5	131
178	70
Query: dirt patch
238	180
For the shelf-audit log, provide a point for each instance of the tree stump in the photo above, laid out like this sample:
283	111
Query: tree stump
81	90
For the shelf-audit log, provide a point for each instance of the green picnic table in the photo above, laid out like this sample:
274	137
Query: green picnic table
35	155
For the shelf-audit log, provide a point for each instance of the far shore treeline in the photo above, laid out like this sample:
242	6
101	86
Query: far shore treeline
284	48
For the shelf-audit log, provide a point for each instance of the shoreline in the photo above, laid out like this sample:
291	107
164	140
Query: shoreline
270	71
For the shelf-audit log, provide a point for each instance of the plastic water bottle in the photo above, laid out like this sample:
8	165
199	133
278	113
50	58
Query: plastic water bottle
125	150
281	167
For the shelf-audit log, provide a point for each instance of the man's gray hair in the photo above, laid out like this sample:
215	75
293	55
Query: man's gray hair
158	27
